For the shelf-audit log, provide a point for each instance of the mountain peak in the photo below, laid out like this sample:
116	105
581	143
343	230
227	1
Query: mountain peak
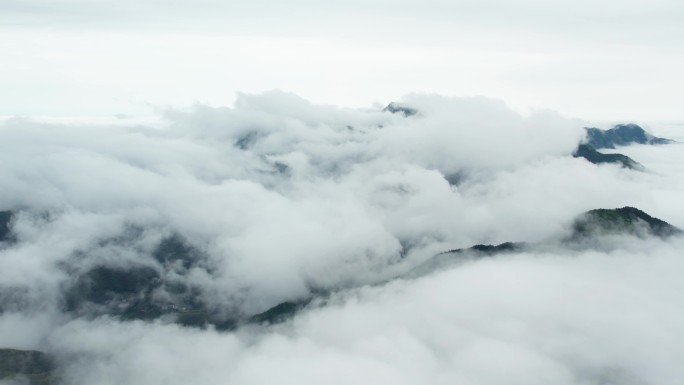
625	220
395	107
621	135
589	153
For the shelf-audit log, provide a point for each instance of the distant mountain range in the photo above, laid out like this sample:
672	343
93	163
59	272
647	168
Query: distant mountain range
586	230
126	292
589	153
395	108
130	292
621	135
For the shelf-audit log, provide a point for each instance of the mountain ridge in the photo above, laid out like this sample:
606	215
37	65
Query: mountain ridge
585	228
589	153
621	135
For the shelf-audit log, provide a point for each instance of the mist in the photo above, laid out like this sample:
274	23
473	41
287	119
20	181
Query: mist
280	199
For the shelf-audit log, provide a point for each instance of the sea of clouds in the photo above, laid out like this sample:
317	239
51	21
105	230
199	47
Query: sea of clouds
287	198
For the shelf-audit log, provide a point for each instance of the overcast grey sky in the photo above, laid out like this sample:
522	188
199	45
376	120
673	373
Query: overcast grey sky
613	60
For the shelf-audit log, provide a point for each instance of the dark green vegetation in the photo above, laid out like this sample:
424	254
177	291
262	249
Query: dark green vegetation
155	286
279	313
145	291
589	153
586	229
157	290
489	250
36	368
247	140
622	221
126	292
174	253
621	135
395	108
5	225
134	293
151	287
451	257
457	178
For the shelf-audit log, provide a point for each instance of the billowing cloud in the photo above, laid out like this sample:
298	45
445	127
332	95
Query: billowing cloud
592	318
278	199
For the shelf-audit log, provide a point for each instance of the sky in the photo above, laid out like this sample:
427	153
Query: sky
611	60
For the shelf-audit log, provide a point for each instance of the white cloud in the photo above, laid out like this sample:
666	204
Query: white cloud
288	198
591	318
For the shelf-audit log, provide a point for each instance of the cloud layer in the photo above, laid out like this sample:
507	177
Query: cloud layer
282	198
